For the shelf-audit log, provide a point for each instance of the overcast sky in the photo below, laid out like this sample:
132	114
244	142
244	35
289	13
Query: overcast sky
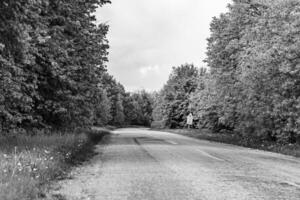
148	37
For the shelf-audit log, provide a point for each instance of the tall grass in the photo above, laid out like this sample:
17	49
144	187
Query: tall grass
29	163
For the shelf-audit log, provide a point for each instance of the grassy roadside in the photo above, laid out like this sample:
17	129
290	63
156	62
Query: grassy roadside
29	163
229	138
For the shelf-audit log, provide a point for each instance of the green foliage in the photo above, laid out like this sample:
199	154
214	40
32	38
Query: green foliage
72	63
172	103
52	64
270	74
96	135
138	108
253	87
119	117
102	109
204	103
115	93
16	102
253	84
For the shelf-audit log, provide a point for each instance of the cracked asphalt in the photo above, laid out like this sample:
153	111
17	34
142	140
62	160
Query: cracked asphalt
139	164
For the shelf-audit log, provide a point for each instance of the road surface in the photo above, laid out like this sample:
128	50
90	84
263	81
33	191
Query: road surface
138	164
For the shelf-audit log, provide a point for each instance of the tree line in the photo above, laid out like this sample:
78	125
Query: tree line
53	72
252	84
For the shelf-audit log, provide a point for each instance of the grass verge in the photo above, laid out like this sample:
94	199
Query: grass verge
29	163
230	138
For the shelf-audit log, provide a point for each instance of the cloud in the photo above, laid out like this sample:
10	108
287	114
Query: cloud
149	37
144	71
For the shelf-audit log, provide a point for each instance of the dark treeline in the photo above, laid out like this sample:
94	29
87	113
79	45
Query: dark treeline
252	86
53	73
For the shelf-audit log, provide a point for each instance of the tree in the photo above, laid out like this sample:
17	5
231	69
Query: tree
17	83
52	63
71	63
102	110
224	48
119	117
253	58
270	74
175	104
142	108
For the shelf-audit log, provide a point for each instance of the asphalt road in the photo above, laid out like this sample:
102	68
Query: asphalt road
138	164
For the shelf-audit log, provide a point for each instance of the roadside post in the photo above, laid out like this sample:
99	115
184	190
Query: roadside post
189	121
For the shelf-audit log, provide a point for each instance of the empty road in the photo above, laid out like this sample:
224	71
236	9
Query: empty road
139	164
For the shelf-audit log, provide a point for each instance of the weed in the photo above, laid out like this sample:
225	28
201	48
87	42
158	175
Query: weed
29	163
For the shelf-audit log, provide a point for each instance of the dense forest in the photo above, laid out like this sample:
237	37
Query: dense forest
53	69
252	84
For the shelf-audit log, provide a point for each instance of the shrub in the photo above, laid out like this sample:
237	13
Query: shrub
95	135
158	124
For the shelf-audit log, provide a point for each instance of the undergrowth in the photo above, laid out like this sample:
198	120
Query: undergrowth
29	163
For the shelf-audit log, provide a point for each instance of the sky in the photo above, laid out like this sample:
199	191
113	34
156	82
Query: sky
148	37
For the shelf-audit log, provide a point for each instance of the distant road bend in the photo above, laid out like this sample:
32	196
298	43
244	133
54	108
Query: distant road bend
139	164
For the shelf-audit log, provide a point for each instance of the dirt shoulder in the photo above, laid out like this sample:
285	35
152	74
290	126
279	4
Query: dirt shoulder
80	178
96	137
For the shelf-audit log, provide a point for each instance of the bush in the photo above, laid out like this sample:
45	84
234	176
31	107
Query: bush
158	124
95	135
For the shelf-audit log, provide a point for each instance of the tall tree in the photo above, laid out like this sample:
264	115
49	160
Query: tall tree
138	108
224	48
253	57
102	109
270	74
175	95
52	61
119	117
17	83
